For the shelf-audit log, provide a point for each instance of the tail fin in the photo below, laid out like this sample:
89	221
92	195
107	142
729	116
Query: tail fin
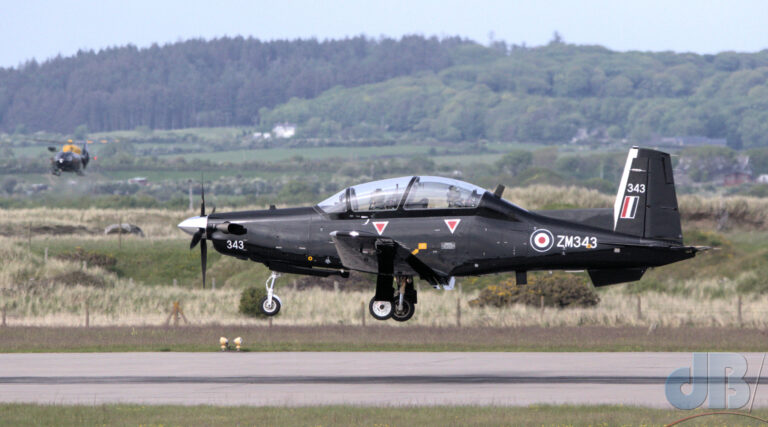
86	155
646	204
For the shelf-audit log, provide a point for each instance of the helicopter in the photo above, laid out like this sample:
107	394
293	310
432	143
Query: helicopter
70	158
437	228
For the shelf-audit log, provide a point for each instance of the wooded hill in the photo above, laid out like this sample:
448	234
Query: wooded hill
447	89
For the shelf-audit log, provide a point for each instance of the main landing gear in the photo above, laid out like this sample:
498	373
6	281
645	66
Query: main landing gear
270	304
399	304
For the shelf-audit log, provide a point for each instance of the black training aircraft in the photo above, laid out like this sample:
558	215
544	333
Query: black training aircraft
439	228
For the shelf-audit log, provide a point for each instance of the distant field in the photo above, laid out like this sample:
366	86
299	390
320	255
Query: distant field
206	133
538	415
277	154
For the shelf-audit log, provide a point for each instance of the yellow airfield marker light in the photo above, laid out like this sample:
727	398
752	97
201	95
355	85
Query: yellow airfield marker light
224	343
238	343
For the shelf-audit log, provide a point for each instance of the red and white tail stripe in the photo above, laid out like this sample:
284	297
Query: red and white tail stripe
629	207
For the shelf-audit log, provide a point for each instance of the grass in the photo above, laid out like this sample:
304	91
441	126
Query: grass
538	415
137	290
380	338
278	154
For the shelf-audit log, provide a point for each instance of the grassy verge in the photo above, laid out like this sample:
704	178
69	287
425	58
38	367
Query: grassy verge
381	338
23	414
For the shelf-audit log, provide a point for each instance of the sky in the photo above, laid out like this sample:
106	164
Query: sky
43	29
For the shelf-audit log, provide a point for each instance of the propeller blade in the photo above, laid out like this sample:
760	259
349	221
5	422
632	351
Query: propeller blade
196	238
204	259
202	195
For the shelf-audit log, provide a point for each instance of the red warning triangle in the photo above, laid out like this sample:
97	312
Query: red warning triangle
380	226
452	224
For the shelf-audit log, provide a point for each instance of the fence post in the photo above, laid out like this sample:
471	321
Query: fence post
29	235
213	283
270	321
4	309
362	313
175	282
87	315
541	303
120	232
45	257
741	323
458	312
639	308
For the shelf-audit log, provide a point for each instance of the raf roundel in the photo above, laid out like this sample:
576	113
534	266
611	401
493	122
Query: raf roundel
542	240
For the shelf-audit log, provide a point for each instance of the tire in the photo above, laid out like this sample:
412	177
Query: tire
380	310
268	310
408	310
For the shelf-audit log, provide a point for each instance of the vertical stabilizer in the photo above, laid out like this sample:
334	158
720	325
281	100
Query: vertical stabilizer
646	203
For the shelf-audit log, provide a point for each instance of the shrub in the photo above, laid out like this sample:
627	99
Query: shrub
558	289
753	282
250	301
93	259
78	277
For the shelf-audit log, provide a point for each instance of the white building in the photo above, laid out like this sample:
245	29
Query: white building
284	130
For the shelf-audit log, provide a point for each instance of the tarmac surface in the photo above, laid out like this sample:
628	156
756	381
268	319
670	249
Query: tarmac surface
358	378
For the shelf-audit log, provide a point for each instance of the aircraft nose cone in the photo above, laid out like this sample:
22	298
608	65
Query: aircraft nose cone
192	224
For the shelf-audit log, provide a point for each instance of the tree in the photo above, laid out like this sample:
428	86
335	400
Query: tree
515	162
81	131
9	184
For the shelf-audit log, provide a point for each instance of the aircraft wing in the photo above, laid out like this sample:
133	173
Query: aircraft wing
382	255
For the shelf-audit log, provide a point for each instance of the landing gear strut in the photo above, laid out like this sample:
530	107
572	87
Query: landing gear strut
399	304
405	299
270	304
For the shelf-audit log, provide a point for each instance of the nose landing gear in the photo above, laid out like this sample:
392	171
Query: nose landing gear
400	307
270	304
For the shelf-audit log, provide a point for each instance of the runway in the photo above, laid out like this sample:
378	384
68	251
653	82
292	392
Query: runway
382	379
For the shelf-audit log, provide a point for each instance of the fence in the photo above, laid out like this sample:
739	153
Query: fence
314	307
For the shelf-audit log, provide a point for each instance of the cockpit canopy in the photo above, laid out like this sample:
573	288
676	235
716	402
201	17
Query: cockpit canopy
423	192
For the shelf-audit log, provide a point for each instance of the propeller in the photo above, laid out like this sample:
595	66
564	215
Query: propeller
202	228
200	234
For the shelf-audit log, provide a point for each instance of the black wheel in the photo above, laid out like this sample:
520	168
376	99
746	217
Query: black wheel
270	309
380	310
406	313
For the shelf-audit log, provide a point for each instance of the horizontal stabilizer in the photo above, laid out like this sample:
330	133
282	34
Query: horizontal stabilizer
614	276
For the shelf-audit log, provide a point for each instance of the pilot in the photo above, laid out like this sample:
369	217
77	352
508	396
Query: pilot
377	200
454	197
